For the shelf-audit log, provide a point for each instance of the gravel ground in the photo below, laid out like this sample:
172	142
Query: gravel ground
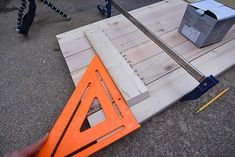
36	84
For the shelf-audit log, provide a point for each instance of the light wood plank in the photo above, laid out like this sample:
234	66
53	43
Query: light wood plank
131	87
170	88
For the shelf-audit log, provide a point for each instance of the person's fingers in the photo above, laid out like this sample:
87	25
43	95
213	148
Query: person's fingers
13	154
33	148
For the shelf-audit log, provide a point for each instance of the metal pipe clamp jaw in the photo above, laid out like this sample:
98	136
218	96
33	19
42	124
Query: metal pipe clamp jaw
107	9
202	88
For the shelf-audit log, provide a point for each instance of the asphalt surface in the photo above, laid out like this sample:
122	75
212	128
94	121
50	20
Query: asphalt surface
35	84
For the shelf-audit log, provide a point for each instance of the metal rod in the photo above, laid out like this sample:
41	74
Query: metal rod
171	52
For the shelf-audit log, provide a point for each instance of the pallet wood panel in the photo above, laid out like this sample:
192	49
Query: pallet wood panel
148	60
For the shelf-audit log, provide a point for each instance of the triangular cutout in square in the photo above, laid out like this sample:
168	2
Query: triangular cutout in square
94	108
66	139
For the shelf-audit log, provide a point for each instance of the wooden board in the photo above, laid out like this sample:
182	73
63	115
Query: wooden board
163	77
129	84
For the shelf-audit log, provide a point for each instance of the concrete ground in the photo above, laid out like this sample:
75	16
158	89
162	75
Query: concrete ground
35	84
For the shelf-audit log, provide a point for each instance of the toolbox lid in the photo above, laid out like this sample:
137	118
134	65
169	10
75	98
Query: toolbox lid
221	11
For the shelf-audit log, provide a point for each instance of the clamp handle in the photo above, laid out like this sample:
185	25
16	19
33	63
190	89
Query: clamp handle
107	9
202	88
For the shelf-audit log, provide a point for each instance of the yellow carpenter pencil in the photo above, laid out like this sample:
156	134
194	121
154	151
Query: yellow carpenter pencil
212	100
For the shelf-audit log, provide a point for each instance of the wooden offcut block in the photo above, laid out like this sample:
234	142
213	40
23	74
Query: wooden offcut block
130	85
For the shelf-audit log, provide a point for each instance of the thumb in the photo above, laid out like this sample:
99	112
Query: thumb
33	148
